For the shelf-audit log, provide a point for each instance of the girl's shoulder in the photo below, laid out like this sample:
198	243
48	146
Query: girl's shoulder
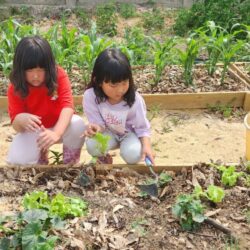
60	72
89	92
138	97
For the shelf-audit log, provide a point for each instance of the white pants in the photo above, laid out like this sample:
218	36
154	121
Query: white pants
24	149
130	147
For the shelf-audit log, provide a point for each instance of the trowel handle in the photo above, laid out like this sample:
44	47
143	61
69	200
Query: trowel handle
148	161
150	165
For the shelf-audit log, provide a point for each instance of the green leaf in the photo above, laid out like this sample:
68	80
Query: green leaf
102	142
215	194
34	215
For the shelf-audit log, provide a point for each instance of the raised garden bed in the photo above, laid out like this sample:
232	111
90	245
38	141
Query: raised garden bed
171	92
243	71
120	217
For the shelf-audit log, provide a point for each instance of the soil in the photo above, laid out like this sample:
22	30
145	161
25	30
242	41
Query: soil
178	137
120	218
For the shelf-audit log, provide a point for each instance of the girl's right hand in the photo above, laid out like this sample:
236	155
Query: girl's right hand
29	122
92	129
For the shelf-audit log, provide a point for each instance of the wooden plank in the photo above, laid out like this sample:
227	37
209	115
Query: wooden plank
178	100
240	73
246	105
190	100
3	103
99	168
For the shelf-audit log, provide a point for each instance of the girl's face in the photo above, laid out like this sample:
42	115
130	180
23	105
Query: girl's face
115	91
35	76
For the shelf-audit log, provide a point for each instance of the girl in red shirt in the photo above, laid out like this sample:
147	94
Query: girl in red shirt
40	106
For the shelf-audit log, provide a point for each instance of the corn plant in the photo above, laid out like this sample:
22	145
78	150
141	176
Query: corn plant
212	36
90	48
229	49
188	56
11	32
163	55
137	42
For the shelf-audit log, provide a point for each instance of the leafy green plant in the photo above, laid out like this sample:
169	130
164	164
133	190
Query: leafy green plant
102	142
164	178
224	12
189	211
31	228
213	193
60	205
229	177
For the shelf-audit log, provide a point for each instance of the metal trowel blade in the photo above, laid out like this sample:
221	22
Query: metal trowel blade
150	189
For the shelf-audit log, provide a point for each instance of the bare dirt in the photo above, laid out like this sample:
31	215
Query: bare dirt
178	137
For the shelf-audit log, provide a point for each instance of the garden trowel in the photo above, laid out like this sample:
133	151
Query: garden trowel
150	189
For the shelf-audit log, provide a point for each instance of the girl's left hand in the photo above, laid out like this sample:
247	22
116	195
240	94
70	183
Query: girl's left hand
47	138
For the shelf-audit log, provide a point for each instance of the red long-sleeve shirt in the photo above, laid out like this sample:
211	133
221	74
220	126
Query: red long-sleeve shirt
39	103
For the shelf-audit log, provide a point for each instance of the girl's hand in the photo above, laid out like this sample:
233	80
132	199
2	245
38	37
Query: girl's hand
92	129
29	122
147	150
47	138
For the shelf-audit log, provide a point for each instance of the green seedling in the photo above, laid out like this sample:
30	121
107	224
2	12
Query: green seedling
153	112
213	193
31	228
139	226
60	205
248	216
102	142
225	110
56	157
229	177
189	211
164	179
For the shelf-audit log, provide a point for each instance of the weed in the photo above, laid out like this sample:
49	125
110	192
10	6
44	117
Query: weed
248	216
127	10
153	112
56	157
153	19
106	19
225	110
139	226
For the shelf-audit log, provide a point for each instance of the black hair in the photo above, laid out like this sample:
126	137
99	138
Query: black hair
32	52
113	66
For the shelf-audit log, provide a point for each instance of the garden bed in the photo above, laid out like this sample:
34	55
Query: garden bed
243	71
120	217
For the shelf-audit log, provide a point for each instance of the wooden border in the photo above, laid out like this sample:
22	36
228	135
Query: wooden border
242	76
179	100
190	100
100	169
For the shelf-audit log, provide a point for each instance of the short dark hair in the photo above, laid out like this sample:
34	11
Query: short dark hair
32	52
112	65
